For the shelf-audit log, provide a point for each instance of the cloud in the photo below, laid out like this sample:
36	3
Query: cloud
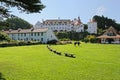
100	10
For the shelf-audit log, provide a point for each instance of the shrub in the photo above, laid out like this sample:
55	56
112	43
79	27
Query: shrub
14	43
52	42
85	40
4	37
93	40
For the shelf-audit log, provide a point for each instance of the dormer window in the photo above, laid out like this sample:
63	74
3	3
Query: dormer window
10	30
110	34
19	29
32	29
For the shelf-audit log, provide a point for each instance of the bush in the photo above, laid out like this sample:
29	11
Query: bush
4	37
85	40
52	42
64	42
14	43
8	44
93	40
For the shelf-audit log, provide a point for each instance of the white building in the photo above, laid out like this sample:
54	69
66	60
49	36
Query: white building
78	26
92	27
42	35
61	25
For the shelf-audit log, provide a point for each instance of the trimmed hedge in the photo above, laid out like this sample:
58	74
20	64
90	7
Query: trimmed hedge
9	44
52	42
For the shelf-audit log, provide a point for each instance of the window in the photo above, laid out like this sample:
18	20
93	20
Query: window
110	34
31	34
24	34
26	38
41	39
21	34
35	34
65	23
59	23
38	34
41	33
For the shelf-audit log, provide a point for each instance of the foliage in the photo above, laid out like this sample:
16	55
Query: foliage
4	37
85	40
64	42
14	23
92	62
28	6
18	43
100	32
90	38
105	22
85	27
71	35
52	42
62	35
1	77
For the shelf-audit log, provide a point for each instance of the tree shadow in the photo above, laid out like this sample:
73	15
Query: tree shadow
1	78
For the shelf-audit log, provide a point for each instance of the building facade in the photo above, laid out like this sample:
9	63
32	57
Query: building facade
92	27
42	35
61	25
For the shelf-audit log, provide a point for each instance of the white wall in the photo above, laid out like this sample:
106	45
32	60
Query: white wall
92	27
60	27
46	36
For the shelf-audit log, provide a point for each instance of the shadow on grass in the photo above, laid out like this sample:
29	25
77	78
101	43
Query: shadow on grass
1	78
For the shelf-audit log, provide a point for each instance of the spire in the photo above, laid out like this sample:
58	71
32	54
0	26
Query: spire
79	21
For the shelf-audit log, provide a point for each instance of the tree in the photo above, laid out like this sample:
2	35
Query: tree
28	6
105	22
15	23
71	35
85	27
4	25
4	37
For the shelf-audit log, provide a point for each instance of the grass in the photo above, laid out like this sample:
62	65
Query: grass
92	62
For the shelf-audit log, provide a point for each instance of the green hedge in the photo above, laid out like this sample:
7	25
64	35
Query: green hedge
9	44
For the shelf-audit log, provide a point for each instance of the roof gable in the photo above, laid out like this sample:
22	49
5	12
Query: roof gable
111	32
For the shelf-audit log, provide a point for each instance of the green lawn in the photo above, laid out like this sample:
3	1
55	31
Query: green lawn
92	62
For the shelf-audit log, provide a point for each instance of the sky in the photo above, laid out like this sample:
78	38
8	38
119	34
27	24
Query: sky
70	9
